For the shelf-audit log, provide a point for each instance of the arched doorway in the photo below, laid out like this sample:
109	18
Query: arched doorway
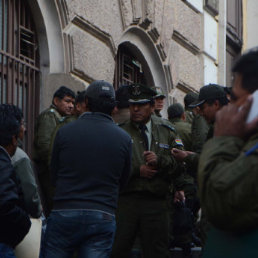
19	62
136	43
131	67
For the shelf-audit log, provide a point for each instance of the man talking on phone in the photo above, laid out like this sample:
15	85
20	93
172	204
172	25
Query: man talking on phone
228	169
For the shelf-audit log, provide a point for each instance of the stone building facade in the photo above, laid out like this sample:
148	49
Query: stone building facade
178	45
79	41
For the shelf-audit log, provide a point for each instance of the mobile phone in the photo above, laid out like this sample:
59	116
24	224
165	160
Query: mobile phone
253	113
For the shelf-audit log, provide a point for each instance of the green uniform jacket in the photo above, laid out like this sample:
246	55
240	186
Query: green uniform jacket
228	183
44	128
192	160
163	139
189	116
200	130
184	131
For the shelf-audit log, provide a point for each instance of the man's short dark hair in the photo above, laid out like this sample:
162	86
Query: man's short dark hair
103	105
80	97
12	109
175	111
247	66
62	92
9	126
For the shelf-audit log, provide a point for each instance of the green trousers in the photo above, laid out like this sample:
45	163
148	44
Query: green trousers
146	216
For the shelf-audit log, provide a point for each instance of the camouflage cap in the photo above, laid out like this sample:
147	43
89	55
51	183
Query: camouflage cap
209	92
140	94
159	93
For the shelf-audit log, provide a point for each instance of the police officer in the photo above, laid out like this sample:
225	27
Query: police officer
142	205
159	100
199	127
177	117
228	170
62	106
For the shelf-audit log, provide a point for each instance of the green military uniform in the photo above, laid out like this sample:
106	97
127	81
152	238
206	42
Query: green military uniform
65	121
189	116
184	130
44	128
228	189
142	206
200	130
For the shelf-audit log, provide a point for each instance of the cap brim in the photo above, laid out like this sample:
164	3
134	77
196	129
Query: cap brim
196	103
139	101
159	96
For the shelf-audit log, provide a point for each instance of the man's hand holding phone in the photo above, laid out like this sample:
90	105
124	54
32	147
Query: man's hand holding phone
232	120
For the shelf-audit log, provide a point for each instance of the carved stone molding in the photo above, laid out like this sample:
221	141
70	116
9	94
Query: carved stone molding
154	34
184	42
96	32
168	77
82	75
137	10
161	51
185	87
63	12
145	23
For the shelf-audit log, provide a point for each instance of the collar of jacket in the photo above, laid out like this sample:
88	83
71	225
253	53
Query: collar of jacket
153	124
5	151
53	109
175	120
95	114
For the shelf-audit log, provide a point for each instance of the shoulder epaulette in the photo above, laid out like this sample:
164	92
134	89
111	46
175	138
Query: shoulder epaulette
169	127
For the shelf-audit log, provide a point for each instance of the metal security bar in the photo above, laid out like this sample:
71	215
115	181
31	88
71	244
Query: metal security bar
19	62
128	69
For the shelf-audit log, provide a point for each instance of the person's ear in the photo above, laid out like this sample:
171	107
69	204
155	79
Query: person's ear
56	101
183	117
86	104
217	104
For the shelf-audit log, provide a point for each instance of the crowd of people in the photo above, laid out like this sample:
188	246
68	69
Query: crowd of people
109	175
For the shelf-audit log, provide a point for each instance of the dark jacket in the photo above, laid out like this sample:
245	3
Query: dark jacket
90	162
14	222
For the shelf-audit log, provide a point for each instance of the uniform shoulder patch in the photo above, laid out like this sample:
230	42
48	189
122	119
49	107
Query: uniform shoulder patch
179	142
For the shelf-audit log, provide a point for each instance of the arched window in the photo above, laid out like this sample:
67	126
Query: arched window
19	62
129	68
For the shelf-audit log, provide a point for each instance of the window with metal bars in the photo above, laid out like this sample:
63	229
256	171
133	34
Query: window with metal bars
19	62
128	69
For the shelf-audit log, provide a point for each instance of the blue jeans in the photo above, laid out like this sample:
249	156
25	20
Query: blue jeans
88	232
6	251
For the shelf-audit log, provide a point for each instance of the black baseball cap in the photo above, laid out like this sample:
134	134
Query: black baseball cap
190	98
209	92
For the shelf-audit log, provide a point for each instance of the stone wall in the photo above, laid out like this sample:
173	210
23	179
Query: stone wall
93	29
